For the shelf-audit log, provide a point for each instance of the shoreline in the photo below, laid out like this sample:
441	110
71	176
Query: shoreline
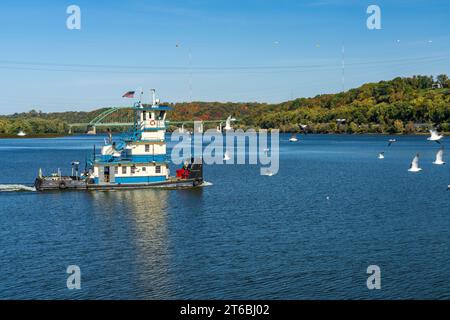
33	136
54	135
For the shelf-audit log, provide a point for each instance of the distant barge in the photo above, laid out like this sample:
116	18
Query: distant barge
136	162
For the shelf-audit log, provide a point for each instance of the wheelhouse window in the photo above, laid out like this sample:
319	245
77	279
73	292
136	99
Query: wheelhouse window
124	170
158	169
147	148
144	168
116	170
133	170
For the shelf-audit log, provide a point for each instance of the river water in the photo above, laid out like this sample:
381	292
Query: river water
309	232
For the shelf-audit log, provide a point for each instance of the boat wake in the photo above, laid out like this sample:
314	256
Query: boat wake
15	188
206	184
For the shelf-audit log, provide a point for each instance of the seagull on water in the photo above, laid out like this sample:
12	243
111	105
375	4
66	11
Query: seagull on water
381	155
439	157
435	136
414	167
293	138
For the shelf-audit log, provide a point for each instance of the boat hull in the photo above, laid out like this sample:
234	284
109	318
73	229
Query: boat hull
169	184
59	183
69	183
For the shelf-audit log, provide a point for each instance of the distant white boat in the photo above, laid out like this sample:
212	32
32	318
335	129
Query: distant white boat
381	155
414	167
439	157
21	134
226	157
293	138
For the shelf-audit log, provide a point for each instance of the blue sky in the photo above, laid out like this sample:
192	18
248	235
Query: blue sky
241	50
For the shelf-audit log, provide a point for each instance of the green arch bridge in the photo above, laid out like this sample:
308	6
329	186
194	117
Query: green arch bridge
101	120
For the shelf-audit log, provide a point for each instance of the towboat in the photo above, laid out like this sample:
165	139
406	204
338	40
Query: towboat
137	161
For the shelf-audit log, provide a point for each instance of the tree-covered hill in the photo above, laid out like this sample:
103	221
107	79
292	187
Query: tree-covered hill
394	106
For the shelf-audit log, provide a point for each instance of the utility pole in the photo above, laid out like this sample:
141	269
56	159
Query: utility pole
343	68
190	75
189	70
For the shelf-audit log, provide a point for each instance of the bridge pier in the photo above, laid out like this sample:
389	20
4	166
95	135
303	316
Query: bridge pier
198	126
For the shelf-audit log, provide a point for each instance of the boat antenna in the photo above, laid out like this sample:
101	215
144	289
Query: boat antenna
141	92
109	136
153	96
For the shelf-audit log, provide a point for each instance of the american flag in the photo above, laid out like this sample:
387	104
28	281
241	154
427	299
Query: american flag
129	94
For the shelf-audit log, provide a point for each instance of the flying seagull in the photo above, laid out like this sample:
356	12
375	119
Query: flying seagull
304	128
391	141
414	167
435	136
439	157
381	155
340	121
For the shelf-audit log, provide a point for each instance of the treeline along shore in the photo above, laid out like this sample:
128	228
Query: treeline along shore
399	106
